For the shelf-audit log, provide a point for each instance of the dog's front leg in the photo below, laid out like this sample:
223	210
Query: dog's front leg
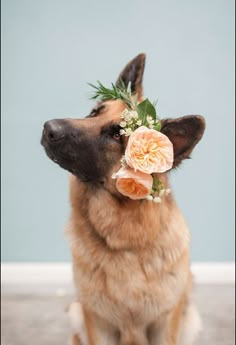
166	331
89	328
99	331
75	340
76	318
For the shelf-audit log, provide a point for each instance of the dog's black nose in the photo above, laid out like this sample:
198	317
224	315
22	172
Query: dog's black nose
54	130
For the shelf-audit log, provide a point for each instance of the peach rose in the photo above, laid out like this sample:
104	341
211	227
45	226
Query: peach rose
149	151
135	185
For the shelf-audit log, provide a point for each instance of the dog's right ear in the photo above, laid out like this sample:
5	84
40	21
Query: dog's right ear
133	73
184	133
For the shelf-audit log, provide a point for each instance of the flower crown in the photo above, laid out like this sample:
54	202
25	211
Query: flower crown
148	150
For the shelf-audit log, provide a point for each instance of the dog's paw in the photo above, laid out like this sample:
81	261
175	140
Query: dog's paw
76	317
192	326
75	340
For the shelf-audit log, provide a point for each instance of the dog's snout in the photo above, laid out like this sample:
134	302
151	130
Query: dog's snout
54	130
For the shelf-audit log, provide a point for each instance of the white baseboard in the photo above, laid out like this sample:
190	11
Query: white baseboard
43	278
37	278
214	272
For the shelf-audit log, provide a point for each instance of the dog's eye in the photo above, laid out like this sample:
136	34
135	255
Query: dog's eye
116	136
112	132
115	132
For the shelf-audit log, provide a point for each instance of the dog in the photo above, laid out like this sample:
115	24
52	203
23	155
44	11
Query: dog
130	257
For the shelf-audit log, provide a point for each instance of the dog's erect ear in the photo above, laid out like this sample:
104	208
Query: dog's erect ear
184	133
133	73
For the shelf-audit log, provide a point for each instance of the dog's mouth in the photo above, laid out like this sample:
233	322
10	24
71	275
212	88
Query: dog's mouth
57	157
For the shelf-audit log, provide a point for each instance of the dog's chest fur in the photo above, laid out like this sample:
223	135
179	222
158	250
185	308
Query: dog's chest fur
121	282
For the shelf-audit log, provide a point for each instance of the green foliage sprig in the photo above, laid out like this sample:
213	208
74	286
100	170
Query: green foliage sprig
116	92
146	110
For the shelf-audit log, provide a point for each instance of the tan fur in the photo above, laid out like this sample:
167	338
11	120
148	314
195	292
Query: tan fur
127	267
75	340
131	265
131	258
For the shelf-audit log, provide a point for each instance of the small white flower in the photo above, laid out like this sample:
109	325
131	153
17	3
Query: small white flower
139	123
157	199
129	123
167	191
150	120
127	115
162	192
123	124
134	114
149	197
122	132
128	132
124	113
151	126
127	118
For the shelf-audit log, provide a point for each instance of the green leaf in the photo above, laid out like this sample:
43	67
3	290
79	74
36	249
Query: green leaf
146	108
135	101
158	126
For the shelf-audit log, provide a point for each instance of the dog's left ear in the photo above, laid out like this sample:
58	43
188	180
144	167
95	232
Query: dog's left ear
133	73
184	133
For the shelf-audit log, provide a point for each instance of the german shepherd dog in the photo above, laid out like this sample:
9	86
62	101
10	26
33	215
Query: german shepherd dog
130	257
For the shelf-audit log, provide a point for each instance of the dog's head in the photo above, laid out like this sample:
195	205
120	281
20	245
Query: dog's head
91	148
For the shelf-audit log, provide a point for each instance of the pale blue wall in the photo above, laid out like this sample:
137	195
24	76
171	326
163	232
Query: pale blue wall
52	48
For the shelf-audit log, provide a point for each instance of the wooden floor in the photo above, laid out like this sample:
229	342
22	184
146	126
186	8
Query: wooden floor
32	320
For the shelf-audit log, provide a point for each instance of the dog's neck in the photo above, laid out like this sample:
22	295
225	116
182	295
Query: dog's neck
127	225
